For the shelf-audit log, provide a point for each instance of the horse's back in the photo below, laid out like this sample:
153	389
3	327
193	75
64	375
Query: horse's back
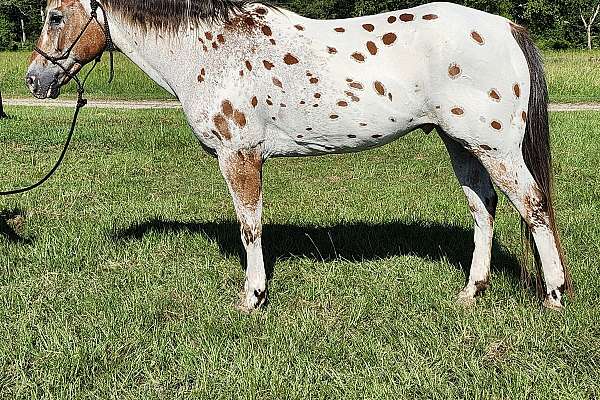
365	81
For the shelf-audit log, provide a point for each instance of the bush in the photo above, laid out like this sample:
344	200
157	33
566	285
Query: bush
6	34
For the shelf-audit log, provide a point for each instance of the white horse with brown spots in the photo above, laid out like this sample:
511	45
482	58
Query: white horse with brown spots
257	82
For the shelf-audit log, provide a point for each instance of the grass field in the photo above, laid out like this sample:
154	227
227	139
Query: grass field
119	277
573	76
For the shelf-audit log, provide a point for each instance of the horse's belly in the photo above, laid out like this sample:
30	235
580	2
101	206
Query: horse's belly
350	135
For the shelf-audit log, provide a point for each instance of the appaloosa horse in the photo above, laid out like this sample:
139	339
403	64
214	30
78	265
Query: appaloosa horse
257	82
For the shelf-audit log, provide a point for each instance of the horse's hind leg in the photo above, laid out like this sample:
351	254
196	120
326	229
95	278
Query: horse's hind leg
243	172
482	198
513	177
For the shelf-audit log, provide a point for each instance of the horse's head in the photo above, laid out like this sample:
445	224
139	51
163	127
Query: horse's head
65	21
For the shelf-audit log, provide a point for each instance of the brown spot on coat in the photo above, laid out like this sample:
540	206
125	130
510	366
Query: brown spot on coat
454	71
497	125
222	127
458	111
494	95
477	37
290	59
372	47
268	65
407	17
208	35
368	27
517	90
332	50
221	38
430	17
299	27
239	118
248	65
524	116
358	57
392	19
340	30
356	85
277	82
342	103
334	116
389	39
267	30
254	102
379	88
314	81
227	108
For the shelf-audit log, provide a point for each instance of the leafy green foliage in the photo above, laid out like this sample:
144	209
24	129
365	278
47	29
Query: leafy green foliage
22	20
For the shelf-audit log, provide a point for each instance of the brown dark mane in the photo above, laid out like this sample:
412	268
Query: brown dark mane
170	15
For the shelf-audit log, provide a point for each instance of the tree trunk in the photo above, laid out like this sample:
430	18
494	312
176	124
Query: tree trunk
2	114
24	35
589	24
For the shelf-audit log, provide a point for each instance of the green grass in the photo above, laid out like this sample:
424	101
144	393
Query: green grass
119	277
573	76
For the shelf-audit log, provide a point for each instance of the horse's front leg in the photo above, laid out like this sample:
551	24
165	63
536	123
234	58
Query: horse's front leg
243	172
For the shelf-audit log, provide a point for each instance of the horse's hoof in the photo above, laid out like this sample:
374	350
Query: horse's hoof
466	298
251	302
553	304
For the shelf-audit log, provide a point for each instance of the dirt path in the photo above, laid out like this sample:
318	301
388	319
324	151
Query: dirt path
170	104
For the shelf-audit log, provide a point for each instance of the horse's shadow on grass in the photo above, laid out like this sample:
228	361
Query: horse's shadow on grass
354	241
11	225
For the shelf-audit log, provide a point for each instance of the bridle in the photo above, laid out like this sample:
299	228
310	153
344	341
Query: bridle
81	101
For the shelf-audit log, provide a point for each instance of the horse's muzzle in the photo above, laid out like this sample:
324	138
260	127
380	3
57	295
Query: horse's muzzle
42	84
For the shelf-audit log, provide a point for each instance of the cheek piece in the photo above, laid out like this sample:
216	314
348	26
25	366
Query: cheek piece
81	101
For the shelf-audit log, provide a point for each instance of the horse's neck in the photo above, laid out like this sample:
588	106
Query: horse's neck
165	57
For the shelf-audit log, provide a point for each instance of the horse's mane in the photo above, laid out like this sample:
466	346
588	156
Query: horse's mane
170	15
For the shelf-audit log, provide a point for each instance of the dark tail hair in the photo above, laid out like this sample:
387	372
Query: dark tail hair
536	151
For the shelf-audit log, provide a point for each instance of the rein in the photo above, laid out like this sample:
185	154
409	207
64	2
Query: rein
81	101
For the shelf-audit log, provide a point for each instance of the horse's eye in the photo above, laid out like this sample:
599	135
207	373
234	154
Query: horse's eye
56	19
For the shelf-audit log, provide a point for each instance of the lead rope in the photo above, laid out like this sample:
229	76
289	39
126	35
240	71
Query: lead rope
81	100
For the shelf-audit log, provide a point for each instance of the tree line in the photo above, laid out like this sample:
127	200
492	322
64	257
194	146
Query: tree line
556	24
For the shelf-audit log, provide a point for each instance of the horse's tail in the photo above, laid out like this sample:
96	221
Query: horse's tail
536	150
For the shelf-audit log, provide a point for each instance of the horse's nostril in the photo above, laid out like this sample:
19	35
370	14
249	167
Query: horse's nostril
29	80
